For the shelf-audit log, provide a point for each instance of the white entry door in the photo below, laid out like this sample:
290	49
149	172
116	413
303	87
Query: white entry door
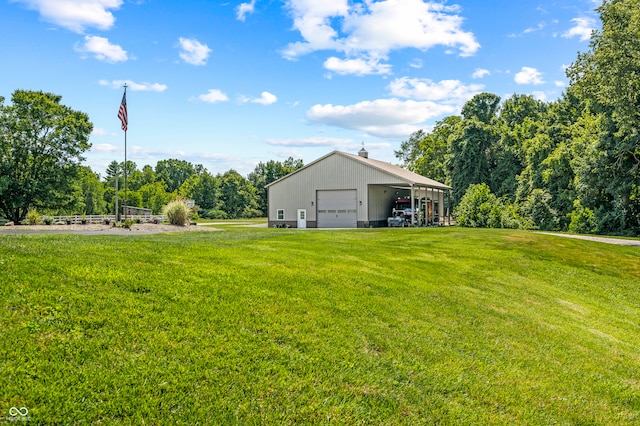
302	218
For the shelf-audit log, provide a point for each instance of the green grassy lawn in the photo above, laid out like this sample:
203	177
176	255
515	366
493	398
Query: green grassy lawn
272	326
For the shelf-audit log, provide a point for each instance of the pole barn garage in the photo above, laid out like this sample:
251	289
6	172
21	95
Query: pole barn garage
342	190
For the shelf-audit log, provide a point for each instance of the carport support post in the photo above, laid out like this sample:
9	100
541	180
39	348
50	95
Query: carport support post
433	208
413	206
449	206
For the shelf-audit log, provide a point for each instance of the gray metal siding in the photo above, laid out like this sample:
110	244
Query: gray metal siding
333	172
379	203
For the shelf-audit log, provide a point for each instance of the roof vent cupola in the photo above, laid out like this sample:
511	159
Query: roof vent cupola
363	152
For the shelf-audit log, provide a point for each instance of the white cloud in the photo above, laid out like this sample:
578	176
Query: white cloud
480	73
265	98
143	152
559	83
397	24
97	131
103	147
136	87
541	96
369	30
359	66
381	117
540	27
193	52
416	63
342	144
213	96
528	75
102	49
76	15
313	20
311	142
445	91
245	8
582	29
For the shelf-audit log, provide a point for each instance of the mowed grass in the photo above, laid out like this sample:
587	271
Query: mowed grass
270	326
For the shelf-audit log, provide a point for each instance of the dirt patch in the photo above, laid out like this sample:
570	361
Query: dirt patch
95	229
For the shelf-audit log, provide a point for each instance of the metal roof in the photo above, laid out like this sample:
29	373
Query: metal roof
400	173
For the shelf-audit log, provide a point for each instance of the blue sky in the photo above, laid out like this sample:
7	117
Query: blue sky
228	84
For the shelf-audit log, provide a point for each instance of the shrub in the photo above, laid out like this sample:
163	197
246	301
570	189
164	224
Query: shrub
475	208
249	213
177	212
537	207
583	220
48	220
511	218
480	208
127	224
215	214
33	217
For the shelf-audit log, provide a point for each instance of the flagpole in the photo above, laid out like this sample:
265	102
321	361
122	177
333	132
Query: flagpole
125	159
124	119
117	207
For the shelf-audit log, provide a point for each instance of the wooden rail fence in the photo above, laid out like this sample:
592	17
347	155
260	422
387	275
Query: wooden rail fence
102	218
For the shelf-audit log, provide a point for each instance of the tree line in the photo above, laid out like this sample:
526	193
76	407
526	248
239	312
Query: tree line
41	153
572	164
225	195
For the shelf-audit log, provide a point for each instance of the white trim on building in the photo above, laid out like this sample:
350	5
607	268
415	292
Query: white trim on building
345	190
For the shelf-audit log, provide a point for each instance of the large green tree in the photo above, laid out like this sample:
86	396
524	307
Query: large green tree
606	79
268	172
204	189
472	144
92	190
175	172
41	147
427	153
154	196
238	196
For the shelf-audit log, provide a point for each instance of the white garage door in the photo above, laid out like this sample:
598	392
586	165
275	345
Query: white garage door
337	209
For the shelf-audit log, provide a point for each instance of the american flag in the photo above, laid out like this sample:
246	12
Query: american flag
122	112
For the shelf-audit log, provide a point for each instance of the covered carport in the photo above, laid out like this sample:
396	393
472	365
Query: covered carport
432	202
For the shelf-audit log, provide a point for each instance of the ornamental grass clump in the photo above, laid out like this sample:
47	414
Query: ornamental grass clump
177	212
33	217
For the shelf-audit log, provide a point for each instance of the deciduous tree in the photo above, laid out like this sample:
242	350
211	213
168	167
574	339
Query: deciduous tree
41	147
268	172
174	172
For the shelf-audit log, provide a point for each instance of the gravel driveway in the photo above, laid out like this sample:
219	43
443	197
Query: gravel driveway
95	229
606	240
